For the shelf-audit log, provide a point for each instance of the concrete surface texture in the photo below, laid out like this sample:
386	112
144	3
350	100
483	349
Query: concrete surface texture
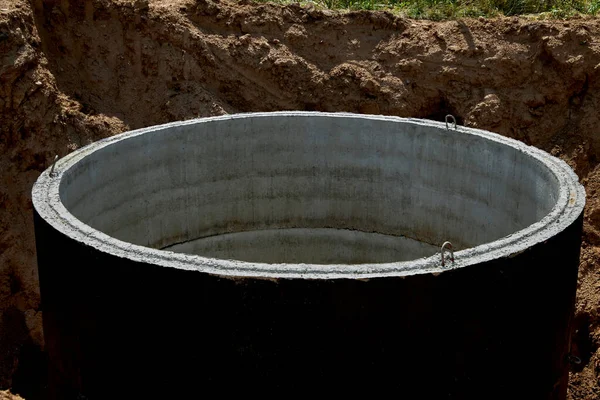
309	187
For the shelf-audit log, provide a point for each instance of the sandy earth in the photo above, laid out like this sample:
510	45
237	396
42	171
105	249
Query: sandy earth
7	395
72	72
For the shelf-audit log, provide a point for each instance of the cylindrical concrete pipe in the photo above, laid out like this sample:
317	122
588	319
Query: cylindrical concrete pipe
296	251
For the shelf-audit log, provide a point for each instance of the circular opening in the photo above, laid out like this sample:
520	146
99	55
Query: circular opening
310	188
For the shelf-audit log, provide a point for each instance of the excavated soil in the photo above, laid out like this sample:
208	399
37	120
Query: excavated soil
73	72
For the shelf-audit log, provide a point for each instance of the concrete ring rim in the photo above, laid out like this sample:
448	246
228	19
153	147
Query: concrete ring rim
568	207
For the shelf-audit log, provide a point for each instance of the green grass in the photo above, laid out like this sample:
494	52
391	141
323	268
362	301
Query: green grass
449	9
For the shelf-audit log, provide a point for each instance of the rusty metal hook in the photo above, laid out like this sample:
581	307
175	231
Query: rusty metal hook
453	120
449	246
53	165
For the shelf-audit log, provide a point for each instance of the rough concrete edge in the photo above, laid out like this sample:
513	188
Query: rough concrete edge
569	206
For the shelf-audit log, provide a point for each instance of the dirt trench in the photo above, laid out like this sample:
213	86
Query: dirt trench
73	72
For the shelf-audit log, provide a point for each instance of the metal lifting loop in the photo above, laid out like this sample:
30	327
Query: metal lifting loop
53	165
449	246
453	121
573	359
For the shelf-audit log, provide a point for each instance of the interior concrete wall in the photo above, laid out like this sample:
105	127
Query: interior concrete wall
316	245
424	183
